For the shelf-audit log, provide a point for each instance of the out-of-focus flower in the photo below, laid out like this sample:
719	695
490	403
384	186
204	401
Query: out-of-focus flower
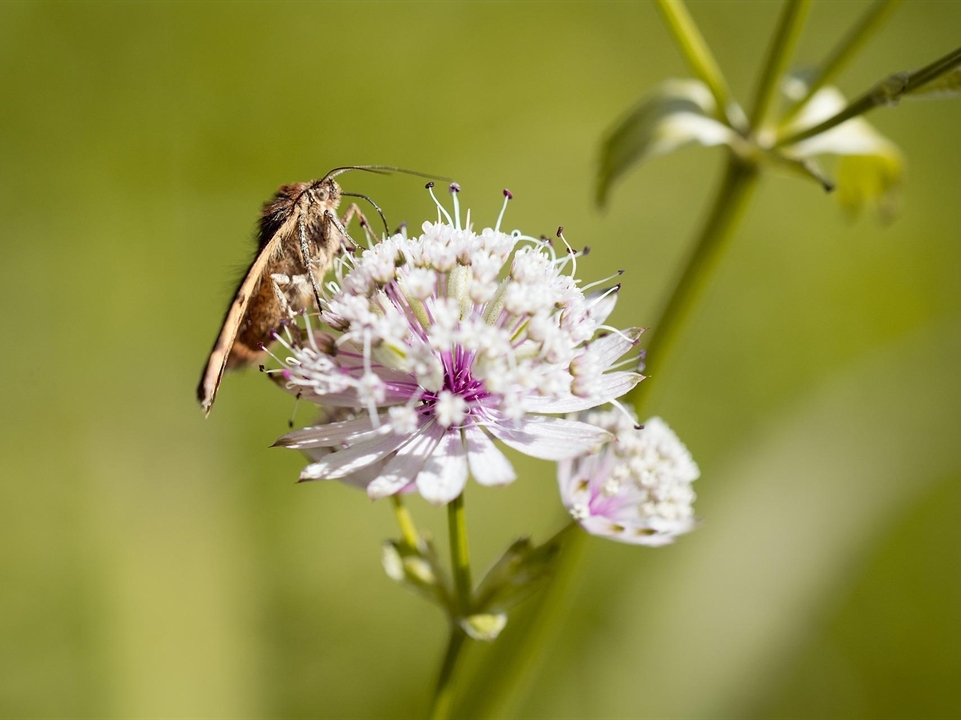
441	342
637	489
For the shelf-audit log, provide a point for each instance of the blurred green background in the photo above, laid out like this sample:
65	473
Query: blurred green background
154	564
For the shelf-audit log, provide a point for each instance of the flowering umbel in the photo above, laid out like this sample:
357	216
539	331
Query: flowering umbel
637	489
434	345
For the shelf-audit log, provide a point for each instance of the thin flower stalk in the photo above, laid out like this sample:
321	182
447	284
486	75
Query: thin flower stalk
845	50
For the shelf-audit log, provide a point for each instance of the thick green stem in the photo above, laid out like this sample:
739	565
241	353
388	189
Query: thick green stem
459	556
698	55
876	15
444	694
729	205
778	56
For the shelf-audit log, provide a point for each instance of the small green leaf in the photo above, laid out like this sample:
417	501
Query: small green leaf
677	113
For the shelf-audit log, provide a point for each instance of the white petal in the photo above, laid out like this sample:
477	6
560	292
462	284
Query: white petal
344	462
404	466
550	438
608	349
348	398
445	473
487	464
331	434
600	304
365	476
610	386
603	527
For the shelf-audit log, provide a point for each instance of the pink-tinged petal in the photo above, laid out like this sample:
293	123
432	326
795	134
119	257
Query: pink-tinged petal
550	438
332	434
341	463
445	473
487	464
603	527
404	466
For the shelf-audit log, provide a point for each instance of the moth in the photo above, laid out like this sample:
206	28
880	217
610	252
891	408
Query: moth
298	237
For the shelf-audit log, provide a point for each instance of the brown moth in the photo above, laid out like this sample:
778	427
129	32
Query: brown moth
299	235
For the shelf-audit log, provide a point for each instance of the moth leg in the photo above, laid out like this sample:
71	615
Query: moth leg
305	256
279	280
341	226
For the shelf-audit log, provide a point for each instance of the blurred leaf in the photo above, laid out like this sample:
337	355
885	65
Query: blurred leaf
870	179
675	114
516	574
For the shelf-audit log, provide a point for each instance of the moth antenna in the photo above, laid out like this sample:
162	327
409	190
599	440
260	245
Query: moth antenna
376	207
380	170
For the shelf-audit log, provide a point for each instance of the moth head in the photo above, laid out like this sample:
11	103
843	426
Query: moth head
324	190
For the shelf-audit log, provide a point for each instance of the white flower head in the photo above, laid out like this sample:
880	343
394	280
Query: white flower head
637	489
443	343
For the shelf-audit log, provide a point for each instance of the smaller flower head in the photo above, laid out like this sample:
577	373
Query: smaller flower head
637	489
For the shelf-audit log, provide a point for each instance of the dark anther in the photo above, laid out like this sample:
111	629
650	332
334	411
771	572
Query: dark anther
261	346
429	185
586	250
560	231
620	272
261	368
454	187
508	194
638	427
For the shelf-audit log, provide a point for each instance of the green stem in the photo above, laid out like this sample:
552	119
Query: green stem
778	54
698	55
728	209
887	92
460	563
876	15
406	523
459	556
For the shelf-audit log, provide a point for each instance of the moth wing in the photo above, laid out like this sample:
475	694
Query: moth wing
220	354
